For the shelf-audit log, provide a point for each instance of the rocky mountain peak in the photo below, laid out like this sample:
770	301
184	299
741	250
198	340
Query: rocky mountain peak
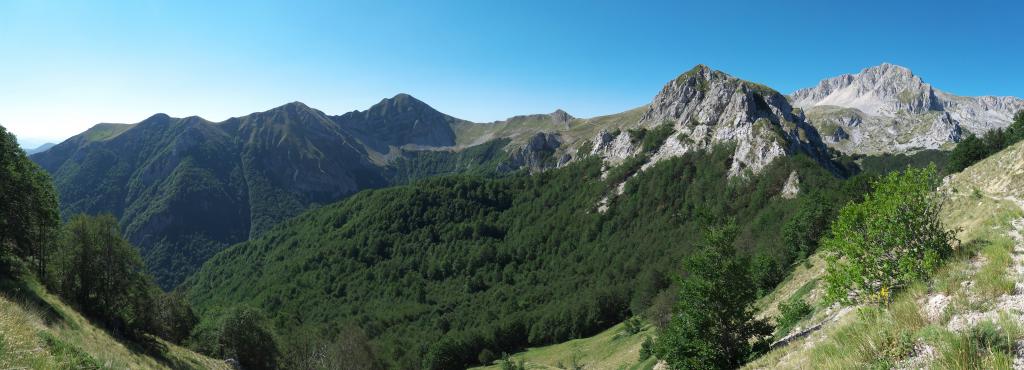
561	116
706	107
400	120
706	96
883	90
156	119
887	108
401	102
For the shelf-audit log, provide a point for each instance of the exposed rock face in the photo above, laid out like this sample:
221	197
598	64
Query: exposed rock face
977	114
889	109
561	117
613	148
536	154
881	91
708	107
792	186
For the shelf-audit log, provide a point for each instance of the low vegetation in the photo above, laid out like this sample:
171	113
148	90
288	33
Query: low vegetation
889	241
973	148
954	317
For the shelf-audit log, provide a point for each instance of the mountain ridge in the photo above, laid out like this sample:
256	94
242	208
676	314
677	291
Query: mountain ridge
889	109
246	174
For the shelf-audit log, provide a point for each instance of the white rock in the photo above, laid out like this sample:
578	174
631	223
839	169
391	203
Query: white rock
889	109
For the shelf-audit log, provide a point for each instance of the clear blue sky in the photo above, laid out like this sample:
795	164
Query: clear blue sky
67	65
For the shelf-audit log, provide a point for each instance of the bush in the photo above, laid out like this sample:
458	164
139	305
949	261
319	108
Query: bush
790	313
646	349
654	138
633	325
486	357
892	238
245	338
509	363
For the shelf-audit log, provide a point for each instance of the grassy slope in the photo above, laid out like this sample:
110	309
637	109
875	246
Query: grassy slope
38	331
980	202
520	130
611	349
106	131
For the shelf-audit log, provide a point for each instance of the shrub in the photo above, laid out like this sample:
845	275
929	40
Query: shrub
646	349
633	325
790	313
889	240
653	139
508	363
245	338
486	357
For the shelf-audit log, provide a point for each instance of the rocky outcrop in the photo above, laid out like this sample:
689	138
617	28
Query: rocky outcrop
707	108
561	117
887	108
884	90
792	186
538	154
613	147
983	113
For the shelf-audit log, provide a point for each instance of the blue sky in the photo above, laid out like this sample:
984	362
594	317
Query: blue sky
67	65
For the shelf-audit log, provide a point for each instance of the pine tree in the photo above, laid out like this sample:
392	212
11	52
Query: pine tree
713	324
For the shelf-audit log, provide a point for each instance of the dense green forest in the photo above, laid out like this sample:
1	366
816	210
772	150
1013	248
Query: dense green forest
183	189
85	261
885	163
446	269
444	272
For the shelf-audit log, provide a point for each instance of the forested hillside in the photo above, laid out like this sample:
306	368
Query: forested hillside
76	296
182	189
443	272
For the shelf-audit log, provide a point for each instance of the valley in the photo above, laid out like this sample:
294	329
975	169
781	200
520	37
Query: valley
401	237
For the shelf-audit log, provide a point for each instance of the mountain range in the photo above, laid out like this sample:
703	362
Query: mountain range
888	109
549	227
186	188
39	149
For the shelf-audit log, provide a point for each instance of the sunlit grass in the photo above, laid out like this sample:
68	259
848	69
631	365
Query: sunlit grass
611	349
38	331
887	337
993	279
